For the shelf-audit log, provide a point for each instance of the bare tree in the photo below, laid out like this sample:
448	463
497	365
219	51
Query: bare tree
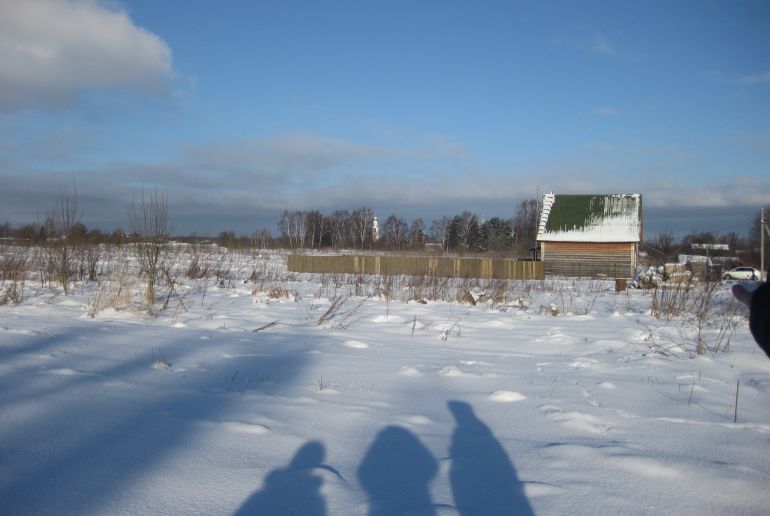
61	221
315	224
285	226
525	224
293	225
463	231
666	247
439	230
396	232
148	218
417	233
339	224
261	239
361	226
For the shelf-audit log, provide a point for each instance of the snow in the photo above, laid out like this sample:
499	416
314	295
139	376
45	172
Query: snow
437	408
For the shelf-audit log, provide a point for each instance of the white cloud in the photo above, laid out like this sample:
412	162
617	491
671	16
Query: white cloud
761	78
739	191
247	184
52	50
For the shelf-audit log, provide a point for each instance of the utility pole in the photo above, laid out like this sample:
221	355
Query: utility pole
762	230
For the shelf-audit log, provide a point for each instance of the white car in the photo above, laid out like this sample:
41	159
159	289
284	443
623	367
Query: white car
742	273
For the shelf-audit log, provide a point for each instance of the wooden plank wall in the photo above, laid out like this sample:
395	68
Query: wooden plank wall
577	259
418	266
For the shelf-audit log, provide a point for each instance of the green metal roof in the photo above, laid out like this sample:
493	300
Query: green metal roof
597	217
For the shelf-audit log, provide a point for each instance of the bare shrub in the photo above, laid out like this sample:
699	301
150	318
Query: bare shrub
701	311
148	217
14	270
88	259
669	302
170	277
550	309
195	270
333	309
696	304
61	245
727	322
278	292
706	315
113	286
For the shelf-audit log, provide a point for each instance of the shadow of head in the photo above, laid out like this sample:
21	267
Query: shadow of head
311	455
460	410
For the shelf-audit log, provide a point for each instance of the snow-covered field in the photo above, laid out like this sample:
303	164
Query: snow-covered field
385	407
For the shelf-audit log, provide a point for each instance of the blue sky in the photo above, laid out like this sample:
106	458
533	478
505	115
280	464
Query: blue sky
238	110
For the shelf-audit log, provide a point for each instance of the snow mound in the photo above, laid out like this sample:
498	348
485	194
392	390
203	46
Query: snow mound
355	344
451	372
409	371
608	385
506	396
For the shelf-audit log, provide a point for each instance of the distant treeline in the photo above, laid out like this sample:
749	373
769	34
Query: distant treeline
45	232
342	229
463	233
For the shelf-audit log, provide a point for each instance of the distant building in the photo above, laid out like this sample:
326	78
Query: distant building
375	229
590	235
708	260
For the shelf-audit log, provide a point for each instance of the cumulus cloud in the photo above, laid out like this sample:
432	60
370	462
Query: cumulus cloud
52	50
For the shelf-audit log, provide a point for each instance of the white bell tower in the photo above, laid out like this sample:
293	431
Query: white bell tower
375	229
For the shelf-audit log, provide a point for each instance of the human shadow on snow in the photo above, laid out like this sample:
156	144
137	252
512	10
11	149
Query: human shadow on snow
294	489
396	472
484	481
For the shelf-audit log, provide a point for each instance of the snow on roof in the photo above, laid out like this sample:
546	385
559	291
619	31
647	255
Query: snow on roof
591	218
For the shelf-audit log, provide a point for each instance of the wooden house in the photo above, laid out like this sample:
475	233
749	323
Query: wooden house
590	235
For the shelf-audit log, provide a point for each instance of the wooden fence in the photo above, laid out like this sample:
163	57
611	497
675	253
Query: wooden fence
418	266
